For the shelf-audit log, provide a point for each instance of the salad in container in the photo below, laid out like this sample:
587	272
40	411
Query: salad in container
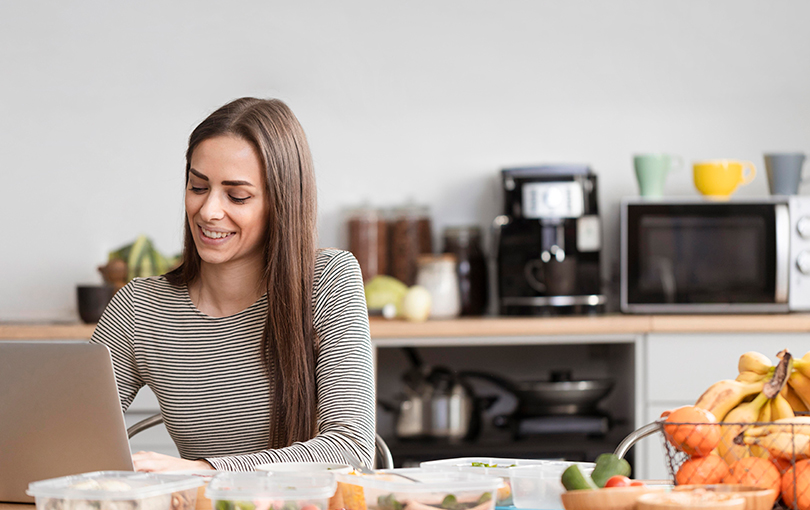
433	490
484	465
257	490
116	490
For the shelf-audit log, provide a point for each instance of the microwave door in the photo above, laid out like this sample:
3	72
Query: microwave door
705	258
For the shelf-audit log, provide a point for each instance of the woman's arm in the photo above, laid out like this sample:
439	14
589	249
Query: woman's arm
344	374
116	329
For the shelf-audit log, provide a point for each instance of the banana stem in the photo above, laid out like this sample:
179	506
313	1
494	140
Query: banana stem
780	375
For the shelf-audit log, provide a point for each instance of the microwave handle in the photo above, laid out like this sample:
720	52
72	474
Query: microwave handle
782	253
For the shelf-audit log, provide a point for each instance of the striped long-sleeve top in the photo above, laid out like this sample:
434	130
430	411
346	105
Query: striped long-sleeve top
208	375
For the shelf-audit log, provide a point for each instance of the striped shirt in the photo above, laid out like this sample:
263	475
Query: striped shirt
207	372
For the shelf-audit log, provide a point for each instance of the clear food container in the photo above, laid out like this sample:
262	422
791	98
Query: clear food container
116	490
303	467
539	487
487	466
443	490
259	490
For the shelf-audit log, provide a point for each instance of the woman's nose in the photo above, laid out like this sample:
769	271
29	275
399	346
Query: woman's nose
211	209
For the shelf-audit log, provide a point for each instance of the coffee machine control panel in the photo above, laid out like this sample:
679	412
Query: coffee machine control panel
553	200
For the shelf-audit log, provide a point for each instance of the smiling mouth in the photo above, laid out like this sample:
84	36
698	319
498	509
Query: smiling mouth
215	235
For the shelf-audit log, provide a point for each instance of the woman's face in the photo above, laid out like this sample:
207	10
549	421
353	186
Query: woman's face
225	201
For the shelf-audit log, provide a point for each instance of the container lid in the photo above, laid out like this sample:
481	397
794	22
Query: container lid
303	467
264	485
482	465
431	481
113	485
552	468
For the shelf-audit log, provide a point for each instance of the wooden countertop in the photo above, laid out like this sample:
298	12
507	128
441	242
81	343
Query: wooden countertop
612	324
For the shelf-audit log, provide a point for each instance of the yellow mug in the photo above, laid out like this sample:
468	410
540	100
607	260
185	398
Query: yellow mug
719	178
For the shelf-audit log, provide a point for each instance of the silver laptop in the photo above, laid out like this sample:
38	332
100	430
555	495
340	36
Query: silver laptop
59	414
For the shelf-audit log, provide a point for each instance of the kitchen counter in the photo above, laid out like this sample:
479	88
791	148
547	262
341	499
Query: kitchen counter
612	324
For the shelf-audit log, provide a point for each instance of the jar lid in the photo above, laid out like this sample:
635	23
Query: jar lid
462	232
412	211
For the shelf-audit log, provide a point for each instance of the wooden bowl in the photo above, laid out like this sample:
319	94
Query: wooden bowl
613	498
755	498
668	502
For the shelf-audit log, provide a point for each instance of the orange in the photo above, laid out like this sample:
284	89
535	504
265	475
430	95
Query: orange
692	430
755	471
702	470
781	464
797	487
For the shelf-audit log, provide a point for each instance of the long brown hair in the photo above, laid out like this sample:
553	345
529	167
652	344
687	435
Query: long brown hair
289	343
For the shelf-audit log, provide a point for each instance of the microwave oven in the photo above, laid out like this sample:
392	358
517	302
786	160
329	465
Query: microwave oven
698	256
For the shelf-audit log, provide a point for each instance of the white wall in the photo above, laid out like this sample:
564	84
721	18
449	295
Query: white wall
425	99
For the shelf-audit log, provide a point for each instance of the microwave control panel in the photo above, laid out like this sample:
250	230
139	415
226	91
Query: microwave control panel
799	269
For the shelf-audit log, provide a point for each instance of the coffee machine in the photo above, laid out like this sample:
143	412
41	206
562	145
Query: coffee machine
548	242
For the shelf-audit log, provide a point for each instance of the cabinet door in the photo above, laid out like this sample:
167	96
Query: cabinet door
680	367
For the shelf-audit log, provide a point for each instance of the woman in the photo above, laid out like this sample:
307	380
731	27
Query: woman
257	347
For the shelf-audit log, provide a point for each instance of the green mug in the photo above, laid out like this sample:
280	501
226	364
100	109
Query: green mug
652	170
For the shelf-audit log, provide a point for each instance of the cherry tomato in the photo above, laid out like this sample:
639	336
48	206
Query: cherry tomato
636	483
618	481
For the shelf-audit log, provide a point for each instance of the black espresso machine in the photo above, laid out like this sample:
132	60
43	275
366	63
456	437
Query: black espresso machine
548	242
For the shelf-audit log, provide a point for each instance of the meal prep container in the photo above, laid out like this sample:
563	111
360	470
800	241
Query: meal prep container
443	490
539	487
271	491
485	466
205	475
116	490
303	467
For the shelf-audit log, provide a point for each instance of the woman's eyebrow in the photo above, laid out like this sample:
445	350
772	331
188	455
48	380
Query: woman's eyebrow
198	174
224	183
237	183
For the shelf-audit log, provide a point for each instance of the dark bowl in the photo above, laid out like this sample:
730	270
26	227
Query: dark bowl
93	299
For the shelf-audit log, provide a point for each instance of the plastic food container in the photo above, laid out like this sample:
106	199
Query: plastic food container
303	467
260	490
487	466
539	487
205	475
116	490
444	490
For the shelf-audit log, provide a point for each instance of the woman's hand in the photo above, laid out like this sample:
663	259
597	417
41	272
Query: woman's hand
152	461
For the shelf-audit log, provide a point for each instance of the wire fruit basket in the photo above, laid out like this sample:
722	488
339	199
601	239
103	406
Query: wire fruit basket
767	455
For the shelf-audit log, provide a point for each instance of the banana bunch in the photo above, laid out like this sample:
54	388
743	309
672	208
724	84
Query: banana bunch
756	396
768	397
784	438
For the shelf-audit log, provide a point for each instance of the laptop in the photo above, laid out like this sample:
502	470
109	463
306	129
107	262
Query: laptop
59	414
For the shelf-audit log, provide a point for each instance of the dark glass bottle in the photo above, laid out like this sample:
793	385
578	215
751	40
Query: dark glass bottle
465	244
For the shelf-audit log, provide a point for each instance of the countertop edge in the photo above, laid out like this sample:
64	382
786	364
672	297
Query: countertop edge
506	326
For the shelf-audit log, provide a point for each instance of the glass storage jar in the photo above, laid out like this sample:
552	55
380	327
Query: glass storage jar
368	240
437	273
409	235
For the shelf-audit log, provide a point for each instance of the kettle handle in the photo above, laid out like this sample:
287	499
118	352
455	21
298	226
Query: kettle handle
497	380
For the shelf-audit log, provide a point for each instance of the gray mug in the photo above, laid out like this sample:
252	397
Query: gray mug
784	172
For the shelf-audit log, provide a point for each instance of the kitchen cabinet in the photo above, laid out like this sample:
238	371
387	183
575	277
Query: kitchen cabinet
519	358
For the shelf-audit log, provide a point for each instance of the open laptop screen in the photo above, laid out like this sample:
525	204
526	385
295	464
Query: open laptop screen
59	414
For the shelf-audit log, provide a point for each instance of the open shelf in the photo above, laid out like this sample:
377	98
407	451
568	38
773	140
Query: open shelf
553	446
